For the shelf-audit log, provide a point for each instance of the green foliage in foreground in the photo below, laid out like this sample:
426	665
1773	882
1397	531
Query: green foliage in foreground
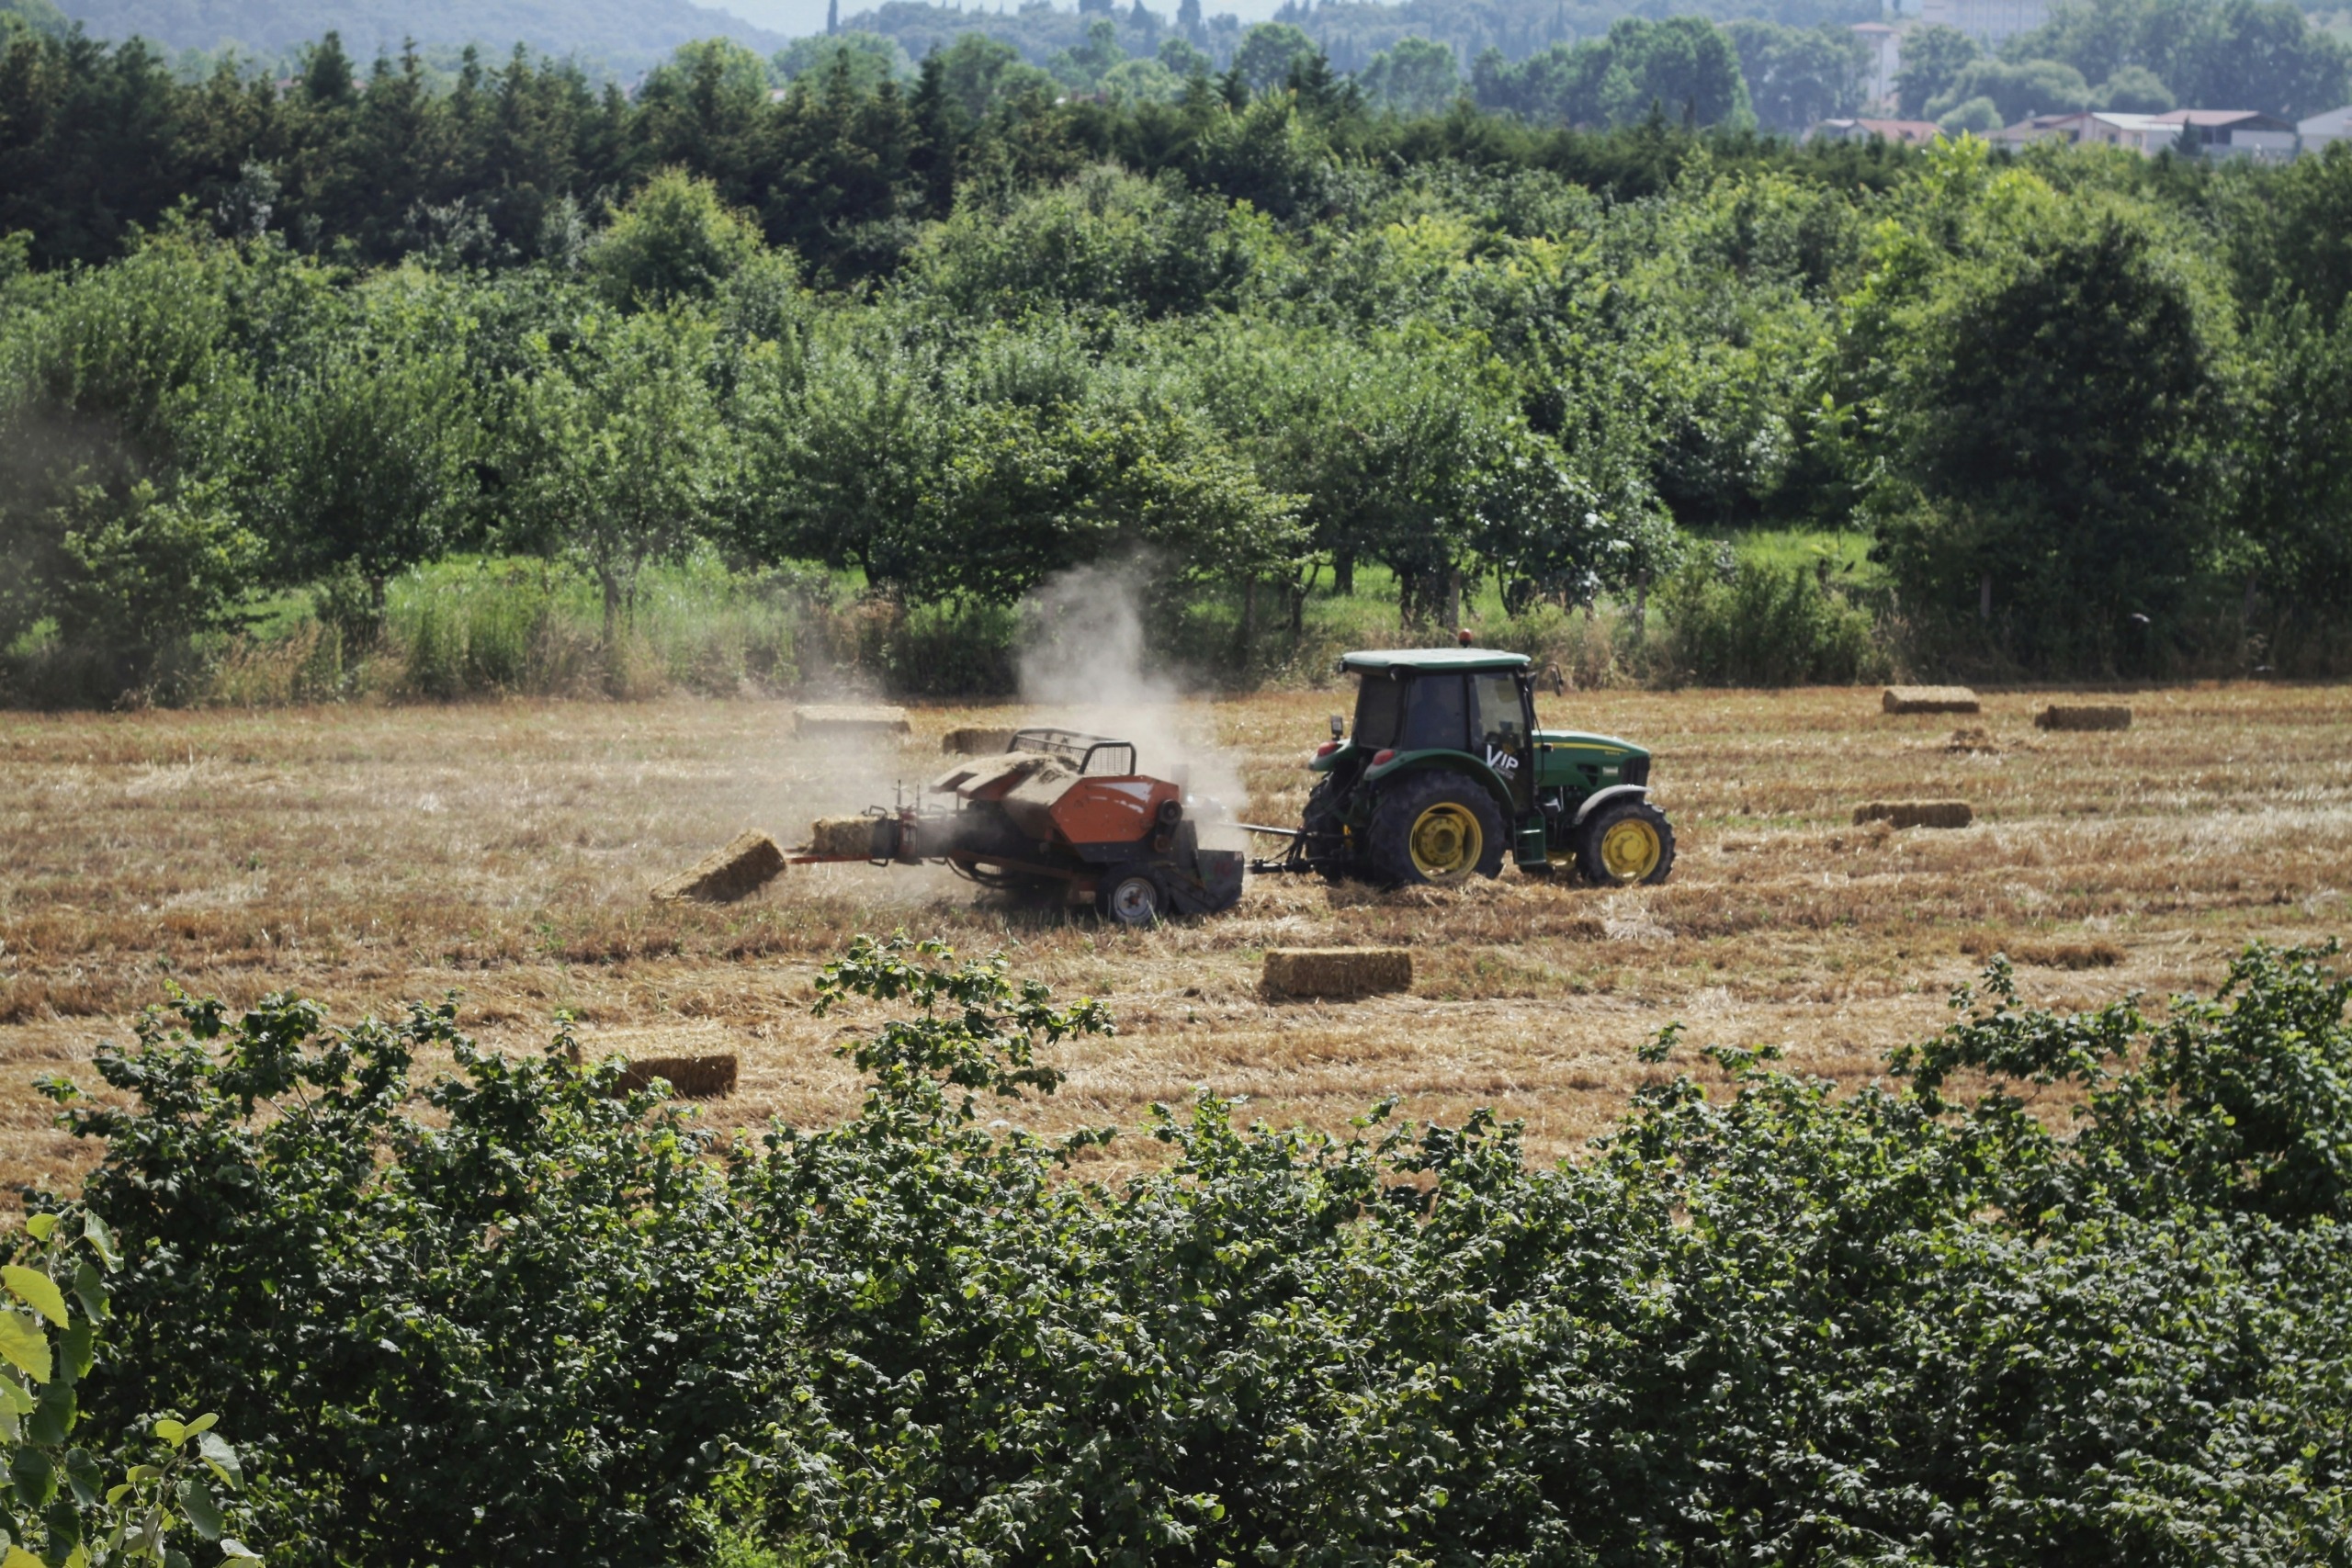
60	1504
516	1317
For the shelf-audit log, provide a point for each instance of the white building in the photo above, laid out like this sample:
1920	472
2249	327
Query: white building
2336	125
1885	45
2145	134
1986	21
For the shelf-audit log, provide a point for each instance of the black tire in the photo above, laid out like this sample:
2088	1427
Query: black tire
1440	808
1596	850
1131	895
1326	843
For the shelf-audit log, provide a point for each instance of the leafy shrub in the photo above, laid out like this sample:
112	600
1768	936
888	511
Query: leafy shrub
59	1496
1765	626
530	1322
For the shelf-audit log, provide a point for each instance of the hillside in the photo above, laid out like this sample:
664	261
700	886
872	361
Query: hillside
622	34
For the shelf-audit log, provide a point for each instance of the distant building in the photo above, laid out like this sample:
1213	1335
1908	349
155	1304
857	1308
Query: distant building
1986	21
2336	125
1909	132
2147	134
2231	133
2067	128
1885	45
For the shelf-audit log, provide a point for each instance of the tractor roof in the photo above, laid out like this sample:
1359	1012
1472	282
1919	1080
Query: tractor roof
1388	660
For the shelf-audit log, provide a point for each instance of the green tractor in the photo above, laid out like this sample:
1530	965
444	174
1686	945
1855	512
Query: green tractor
1444	769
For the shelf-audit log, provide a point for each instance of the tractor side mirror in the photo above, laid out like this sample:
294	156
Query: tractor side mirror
1338	726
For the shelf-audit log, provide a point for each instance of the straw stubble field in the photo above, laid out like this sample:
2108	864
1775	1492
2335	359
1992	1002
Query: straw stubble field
365	854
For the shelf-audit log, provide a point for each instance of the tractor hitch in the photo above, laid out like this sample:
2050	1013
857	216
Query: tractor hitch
1294	859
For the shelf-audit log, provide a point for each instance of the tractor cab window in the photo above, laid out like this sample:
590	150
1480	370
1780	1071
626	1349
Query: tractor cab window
1502	711
1379	704
1416	714
1435	714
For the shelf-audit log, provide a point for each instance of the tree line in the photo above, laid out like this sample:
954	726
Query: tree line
951	339
2143	56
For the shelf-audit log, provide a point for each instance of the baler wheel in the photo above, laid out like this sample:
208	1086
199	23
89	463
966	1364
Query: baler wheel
1131	896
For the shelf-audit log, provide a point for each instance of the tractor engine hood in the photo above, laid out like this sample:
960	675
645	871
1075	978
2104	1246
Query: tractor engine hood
1579	763
1586	741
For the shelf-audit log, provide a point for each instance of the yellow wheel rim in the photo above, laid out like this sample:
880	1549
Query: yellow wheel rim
1446	843
1629	850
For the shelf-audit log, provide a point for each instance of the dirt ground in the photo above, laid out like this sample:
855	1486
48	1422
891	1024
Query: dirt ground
365	854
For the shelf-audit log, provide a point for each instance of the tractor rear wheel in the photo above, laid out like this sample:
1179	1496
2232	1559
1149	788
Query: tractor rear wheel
1130	895
1325	839
1623	845
1437	828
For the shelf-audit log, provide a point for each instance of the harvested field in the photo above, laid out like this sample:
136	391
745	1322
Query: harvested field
365	854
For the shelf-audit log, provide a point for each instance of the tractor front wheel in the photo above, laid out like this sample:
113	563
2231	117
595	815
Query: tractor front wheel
1623	845
1131	895
1436	827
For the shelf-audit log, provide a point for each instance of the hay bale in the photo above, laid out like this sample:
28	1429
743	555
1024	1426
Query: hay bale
1930	699
2089	716
863	837
690	1078
1337	971
857	718
1916	813
2068	955
749	863
974	742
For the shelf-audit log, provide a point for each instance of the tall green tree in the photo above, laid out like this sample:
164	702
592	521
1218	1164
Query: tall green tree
2291	481
1267	52
1413	76
376	436
620	457
674	241
2047	390
125	418
1796	76
1933	58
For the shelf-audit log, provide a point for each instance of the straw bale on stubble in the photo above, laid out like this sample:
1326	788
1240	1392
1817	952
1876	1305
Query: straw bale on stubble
690	1078
850	718
749	863
1916	813
1337	971
2083	716
1930	699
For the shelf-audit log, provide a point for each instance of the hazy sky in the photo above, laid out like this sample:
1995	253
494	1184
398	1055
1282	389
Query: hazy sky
793	17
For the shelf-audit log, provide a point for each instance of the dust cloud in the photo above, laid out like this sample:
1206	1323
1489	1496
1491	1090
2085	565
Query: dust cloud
1086	662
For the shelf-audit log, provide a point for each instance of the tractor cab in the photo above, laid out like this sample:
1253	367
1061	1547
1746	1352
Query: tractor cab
1443	770
1451	700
